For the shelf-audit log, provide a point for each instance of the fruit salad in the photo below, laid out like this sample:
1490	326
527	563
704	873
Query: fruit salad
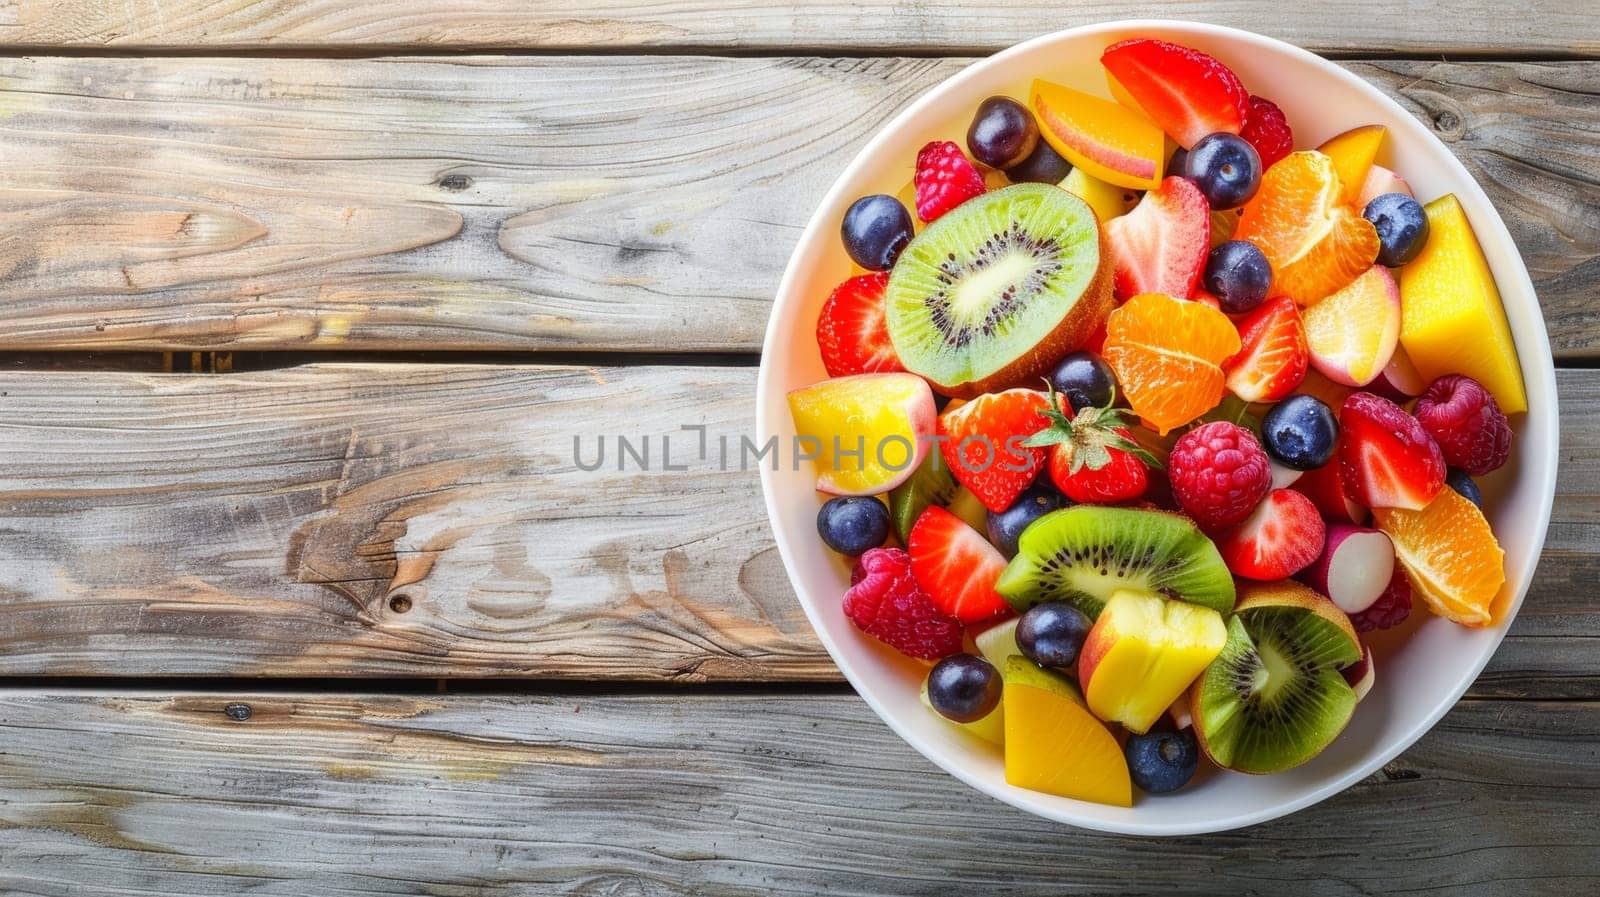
1144	422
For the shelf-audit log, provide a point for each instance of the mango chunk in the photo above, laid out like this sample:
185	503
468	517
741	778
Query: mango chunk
1054	744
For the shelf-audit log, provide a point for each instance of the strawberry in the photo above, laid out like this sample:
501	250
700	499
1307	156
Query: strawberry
1325	488
1161	246
853	332
956	566
1093	456
1281	537
1386	458
945	178
1188	93
1274	354
1267	129
982	444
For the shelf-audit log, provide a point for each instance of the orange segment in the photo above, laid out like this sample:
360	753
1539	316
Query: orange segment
1450	555
1316	244
1167	354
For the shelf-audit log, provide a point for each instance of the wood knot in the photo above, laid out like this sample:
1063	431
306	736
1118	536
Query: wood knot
454	182
400	603
237	712
1447	123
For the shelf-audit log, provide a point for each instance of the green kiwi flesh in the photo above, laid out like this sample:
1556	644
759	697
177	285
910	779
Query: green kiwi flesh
932	484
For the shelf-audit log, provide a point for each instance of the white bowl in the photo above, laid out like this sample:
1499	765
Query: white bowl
1416	684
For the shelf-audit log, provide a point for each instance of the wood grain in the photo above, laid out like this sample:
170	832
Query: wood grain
277	523
714	795
1359	26
617	203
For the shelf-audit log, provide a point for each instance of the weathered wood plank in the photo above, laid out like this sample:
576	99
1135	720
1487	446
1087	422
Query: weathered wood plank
617	203
1350	26
119	794
262	524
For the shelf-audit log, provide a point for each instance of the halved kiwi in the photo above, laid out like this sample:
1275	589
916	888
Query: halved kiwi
998	289
1274	697
932	483
1084	553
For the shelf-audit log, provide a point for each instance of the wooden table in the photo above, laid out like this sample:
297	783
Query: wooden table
302	594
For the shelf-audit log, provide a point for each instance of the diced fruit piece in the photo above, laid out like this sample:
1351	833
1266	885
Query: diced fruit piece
1188	93
1108	140
851	332
1361	674
1459	481
852	524
1027	285
1043	166
1275	697
1353	153
885	602
1237	273
1462	417
1281	537
963	688
1108	200
1226	168
1093	456
1005	527
1325	487
1161	246
1392	607
875	230
1084	380
1282	476
1084	553
1386	458
1142	653
1218	473
1398	381
1167	354
1402	227
998	642
1452	321
1353	333
1355	567
1379	181
982	444
1315	244
1052	634
1162	762
1046	723
1267	129
990	728
1450	555
945	178
932	484
1179	712
867	412
1274	354
1223	221
1300	432
956	566
1003	133
1332	394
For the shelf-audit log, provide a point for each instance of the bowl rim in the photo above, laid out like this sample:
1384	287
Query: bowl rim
1545	376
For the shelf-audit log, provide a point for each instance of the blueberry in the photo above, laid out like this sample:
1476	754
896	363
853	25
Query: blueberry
1086	381
1402	227
875	229
1003	133
1238	274
1458	480
1300	432
851	525
1052	633
964	688
1162	761
1226	169
1043	166
1007	526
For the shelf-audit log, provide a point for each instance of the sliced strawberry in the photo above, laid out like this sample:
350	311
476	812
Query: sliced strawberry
1282	536
956	566
981	441
852	330
1267	129
1161	246
1326	490
1188	93
1093	456
1386	458
1205	298
945	178
1273	357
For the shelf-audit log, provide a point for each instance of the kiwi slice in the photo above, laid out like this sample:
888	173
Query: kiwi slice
1274	697
998	289
932	484
1084	553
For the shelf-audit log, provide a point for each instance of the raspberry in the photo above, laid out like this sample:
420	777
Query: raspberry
1266	129
945	179
1219	474
886	603
1391	608
1464	419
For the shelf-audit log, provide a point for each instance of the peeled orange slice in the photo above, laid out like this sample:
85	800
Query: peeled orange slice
1167	354
1315	243
1353	333
1450	554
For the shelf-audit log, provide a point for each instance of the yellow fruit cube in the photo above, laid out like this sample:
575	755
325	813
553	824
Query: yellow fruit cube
1143	652
1054	744
1452	321
1108	200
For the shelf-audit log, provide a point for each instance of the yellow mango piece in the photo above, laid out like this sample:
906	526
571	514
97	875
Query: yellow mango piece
1451	319
1353	153
1054	744
991	728
1108	140
866	433
1143	652
1108	200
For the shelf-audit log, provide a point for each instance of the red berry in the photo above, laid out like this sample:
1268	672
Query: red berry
1273	355
1160	246
945	179
981	443
853	331
1219	474
1282	537
1467	423
1267	129
1188	93
885	602
1391	608
1386	458
956	566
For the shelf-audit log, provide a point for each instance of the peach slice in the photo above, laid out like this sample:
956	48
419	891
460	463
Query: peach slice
866	433
1379	181
1142	653
1353	153
1107	140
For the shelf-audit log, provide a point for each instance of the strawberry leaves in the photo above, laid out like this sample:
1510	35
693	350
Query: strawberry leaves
1089	436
